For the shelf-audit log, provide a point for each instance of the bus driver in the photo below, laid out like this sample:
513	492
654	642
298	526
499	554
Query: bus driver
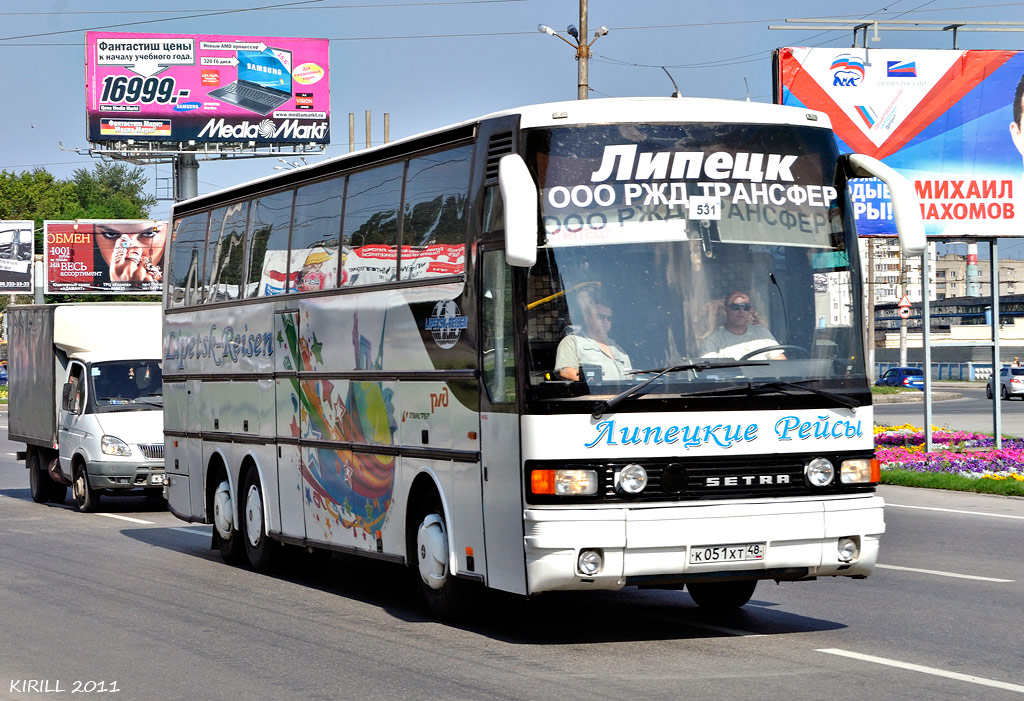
592	346
738	336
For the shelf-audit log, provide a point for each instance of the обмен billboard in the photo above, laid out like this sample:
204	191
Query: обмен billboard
949	121
104	256
207	88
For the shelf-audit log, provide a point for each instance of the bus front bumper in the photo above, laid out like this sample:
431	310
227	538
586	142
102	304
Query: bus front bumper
668	546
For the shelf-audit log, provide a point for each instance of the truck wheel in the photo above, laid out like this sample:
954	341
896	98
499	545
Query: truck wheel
226	537
86	497
261	550
722	596
437	587
39	481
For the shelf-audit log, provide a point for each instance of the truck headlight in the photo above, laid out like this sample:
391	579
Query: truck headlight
111	445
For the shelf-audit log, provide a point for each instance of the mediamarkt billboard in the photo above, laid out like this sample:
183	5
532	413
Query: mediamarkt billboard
205	88
941	118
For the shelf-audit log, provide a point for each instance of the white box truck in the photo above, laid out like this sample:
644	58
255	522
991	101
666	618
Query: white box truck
86	398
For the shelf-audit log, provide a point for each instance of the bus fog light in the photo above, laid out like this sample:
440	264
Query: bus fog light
632	479
859	471
819	472
849	549
590	562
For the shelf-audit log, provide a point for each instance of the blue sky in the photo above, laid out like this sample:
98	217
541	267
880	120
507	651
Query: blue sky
428	64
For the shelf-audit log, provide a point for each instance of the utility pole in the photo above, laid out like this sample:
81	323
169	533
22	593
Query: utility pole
583	56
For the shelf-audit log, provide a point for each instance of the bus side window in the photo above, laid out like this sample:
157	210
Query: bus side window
267	249
497	336
316	226
370	234
434	220
189	240
224	252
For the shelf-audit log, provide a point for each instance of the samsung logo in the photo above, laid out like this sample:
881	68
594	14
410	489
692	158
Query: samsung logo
745	480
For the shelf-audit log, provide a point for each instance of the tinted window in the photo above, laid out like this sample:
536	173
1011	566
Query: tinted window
1017	371
268	245
913	371
184	278
224	252
370	235
315	229
434	226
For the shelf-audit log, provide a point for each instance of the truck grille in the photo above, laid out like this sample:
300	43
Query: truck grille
153	451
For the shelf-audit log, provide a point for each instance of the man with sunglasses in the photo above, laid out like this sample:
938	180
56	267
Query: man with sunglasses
738	336
592	346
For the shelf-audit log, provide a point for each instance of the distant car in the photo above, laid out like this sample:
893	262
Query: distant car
3	374
911	378
1011	384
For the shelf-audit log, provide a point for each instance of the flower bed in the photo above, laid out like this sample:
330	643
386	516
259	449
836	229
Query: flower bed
970	455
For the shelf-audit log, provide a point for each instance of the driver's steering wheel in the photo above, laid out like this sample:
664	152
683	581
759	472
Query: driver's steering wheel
768	349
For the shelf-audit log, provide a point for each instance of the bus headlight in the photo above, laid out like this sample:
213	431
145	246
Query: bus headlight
564	482
819	472
590	562
860	471
631	479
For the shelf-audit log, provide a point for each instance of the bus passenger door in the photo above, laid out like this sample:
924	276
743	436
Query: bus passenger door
499	429
287	363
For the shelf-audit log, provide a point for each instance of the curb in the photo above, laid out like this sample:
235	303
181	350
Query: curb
915	397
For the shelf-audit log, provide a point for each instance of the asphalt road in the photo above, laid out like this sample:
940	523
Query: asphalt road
136	597
972	411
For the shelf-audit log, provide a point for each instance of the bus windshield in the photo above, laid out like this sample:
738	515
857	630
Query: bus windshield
723	247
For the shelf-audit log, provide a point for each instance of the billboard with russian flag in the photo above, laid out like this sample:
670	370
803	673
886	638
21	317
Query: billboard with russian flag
944	119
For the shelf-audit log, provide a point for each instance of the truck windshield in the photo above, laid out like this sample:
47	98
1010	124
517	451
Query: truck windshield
120	383
676	245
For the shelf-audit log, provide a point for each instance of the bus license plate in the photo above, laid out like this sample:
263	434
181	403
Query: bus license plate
726	553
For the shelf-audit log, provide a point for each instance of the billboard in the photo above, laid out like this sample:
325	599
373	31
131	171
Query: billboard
206	88
109	256
16	252
943	119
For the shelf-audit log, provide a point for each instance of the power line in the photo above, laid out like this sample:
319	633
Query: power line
257	9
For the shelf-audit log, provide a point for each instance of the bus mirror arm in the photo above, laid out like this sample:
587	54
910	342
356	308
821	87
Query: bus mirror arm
905	209
519	194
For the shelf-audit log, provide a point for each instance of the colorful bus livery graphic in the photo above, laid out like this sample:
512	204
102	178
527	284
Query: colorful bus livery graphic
342	488
847	70
900	69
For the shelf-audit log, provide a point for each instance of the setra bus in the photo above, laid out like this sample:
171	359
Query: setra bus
488	352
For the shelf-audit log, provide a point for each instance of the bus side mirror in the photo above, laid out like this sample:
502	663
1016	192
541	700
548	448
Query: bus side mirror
519	194
905	210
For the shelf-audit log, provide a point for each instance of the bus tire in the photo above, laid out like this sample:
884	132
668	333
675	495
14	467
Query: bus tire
439	590
722	596
226	538
58	492
261	550
39	481
86	498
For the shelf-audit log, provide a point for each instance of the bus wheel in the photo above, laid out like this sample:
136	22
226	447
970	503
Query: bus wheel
87	498
227	538
722	596
58	493
39	482
437	586
260	550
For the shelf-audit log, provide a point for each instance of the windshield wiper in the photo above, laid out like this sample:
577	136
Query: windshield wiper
637	390
749	387
840	399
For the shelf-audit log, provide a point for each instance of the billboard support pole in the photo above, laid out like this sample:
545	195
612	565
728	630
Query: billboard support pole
186	174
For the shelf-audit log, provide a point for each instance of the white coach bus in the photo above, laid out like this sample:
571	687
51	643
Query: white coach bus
494	352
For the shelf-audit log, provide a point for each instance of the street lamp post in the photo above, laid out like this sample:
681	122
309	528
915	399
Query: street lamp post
580	44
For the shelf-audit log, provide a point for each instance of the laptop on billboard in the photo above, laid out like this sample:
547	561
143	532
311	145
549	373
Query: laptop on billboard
264	81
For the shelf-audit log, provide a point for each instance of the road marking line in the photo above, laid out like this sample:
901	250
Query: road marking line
127	518
955	511
943	574
926	670
205	534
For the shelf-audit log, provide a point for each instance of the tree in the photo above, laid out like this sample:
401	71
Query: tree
110	191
